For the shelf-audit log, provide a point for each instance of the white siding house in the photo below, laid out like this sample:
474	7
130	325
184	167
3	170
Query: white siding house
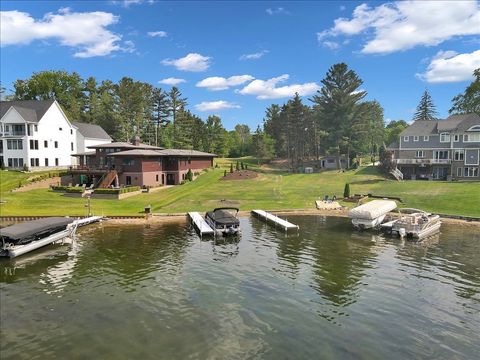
37	134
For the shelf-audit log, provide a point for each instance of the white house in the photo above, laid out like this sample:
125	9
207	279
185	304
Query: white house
37	134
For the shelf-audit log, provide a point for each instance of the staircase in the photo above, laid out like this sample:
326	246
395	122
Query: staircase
107	179
397	174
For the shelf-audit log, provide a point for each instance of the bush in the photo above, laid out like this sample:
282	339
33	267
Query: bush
238	166
231	168
242	166
59	188
74	189
189	176
346	191
225	173
117	191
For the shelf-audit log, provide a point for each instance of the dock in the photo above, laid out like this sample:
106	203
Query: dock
200	224
267	217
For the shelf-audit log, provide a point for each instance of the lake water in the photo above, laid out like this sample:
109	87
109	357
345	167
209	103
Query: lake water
160	292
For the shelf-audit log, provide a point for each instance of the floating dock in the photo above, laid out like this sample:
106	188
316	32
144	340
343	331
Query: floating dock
200	223
274	219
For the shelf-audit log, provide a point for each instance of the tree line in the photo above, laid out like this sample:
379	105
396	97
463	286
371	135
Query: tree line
336	121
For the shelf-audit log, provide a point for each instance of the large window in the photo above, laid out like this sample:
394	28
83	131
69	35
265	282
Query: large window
33	144
456	138
46	161
128	161
15	162
416	138
471	138
443	154
14	144
470	172
405	138
444	137
459	155
420	154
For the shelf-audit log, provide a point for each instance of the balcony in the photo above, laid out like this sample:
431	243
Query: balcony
12	133
423	161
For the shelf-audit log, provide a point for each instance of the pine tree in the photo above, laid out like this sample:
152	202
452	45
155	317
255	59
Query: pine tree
426	109
175	104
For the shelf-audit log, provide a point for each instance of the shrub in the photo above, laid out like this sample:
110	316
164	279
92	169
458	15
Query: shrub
189	176
246	167
242	166
231	167
74	190
59	188
237	167
25	167
346	191
225	173
117	191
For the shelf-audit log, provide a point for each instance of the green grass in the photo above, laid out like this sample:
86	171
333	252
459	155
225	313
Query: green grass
272	189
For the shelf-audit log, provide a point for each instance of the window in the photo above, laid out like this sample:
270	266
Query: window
459	171
35	127
32	162
471	138
29	130
60	129
426	138
420	154
416	138
444	137
459	155
56	144
128	161
15	162
474	128
156	178
128	180
71	146
33	144
46	161
470	172
37	162
405	138
7	128
456	138
45	144
440	155
56	161
71	132
14	144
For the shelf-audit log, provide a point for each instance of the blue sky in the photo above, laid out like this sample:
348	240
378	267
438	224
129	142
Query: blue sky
236	58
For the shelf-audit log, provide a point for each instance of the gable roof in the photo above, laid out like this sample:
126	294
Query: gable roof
166	152
30	110
458	123
421	127
124	145
92	131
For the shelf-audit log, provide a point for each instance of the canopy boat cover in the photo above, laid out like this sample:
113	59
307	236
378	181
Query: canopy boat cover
29	231
372	209
223	217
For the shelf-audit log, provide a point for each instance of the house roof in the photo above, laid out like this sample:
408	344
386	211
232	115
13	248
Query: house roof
137	152
458	123
392	146
86	153
92	131
30	110
124	145
183	152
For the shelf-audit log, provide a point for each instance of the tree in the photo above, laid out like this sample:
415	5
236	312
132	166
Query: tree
160	112
469	101
393	130
426	109
263	145
274	126
346	191
336	107
175	104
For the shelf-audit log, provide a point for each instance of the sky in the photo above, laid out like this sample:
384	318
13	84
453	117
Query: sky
234	59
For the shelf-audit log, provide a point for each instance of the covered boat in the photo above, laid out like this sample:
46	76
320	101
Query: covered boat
416	224
371	214
224	220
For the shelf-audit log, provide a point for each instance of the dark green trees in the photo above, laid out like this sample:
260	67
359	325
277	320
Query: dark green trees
469	101
426	109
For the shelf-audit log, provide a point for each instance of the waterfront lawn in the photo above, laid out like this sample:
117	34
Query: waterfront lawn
273	189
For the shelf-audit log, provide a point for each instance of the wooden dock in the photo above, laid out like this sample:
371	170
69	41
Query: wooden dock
267	217
200	223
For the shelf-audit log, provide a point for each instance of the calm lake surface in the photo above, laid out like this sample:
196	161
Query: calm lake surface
160	292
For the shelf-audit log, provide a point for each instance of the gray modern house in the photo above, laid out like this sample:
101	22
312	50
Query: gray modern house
440	149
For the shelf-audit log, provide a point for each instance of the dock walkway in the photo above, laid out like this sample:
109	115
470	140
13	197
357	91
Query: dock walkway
274	219
200	223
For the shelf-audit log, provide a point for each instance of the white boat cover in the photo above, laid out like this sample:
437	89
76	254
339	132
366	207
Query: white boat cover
372	209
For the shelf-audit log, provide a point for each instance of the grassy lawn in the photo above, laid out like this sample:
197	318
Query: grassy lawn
272	189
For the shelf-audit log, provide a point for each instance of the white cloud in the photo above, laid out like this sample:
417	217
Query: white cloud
192	62
267	89
253	56
216	105
127	3
171	81
161	34
403	25
448	66
332	45
216	83
86	32
277	11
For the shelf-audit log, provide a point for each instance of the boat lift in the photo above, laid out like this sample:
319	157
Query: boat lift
200	224
267	217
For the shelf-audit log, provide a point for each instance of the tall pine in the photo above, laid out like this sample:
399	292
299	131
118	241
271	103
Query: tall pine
426	109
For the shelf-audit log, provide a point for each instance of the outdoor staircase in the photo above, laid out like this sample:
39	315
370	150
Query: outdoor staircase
397	174
107	179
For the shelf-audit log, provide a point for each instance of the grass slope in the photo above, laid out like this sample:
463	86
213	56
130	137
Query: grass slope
273	189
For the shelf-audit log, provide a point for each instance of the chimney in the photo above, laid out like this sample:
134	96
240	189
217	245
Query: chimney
136	140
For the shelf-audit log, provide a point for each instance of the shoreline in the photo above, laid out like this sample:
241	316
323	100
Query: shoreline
158	218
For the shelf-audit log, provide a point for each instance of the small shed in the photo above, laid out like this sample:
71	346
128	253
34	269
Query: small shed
308	170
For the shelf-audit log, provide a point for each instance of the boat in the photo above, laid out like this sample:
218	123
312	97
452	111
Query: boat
416	224
19	239
371	214
224	221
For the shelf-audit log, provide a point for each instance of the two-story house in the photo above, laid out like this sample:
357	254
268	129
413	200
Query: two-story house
37	135
440	149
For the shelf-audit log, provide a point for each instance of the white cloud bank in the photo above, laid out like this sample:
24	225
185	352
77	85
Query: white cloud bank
171	81
192	62
254	56
403	25
160	34
277	11
216	83
448	66
267	89
86	32
216	105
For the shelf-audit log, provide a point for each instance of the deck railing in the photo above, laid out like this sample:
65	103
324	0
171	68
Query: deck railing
423	161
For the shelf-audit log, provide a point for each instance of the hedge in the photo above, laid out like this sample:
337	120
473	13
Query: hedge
69	189
36	178
117	191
